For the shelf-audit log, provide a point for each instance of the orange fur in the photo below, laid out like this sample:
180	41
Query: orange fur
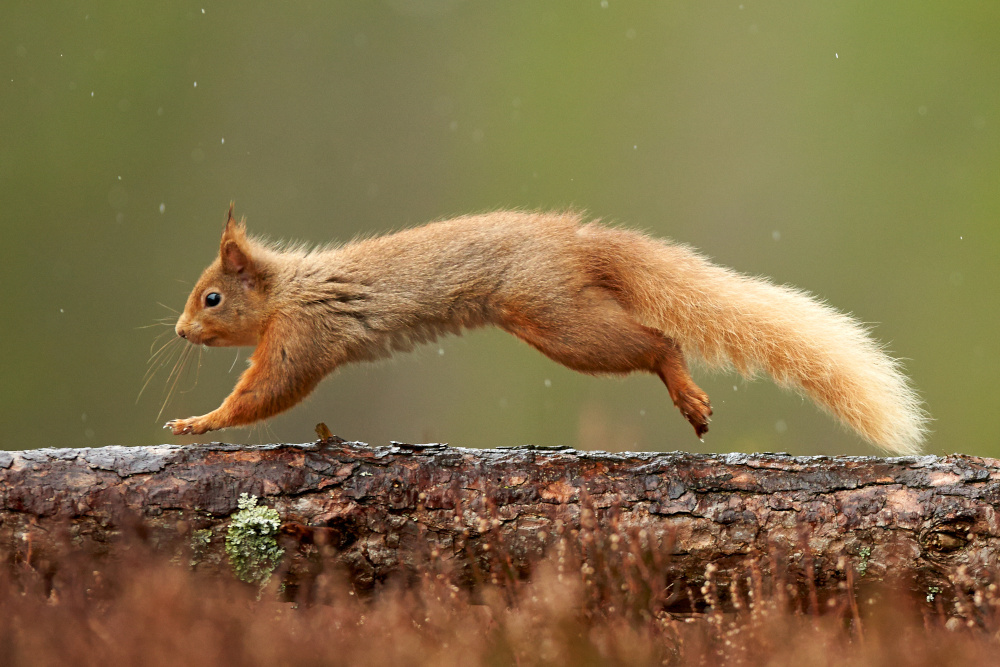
593	298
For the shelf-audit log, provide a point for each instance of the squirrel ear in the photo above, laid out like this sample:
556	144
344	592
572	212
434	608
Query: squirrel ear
235	258
234	250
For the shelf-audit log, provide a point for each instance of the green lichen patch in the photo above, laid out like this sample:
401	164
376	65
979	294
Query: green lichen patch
864	553
251	541
200	542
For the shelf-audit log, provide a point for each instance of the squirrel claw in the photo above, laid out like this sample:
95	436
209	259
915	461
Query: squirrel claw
179	426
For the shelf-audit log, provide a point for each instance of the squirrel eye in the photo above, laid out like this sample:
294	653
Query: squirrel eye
213	299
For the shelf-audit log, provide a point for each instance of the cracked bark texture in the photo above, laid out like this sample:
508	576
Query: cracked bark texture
376	512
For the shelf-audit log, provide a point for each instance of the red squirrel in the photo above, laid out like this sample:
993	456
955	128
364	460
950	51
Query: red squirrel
596	299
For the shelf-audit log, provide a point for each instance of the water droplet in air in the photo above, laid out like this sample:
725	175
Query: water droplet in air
548	382
163	207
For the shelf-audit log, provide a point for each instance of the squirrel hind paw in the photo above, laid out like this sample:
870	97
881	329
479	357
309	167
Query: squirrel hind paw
697	409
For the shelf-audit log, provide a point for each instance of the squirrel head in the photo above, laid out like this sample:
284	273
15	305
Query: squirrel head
228	305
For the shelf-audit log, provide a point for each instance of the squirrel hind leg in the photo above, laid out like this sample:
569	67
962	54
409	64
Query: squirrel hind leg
686	395
599	336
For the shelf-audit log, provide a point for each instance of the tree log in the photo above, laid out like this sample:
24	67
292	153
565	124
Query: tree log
379	512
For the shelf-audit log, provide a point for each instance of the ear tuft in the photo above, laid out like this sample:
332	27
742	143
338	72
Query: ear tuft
233	227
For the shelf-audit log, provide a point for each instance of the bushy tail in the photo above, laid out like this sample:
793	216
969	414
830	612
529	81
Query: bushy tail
729	319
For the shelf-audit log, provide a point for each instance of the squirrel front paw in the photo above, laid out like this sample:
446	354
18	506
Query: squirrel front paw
192	425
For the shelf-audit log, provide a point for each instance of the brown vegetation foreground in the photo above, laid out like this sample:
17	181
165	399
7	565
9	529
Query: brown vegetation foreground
589	603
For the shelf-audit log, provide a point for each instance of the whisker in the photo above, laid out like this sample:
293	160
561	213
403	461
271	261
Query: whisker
155	341
235	360
159	323
161	358
152	370
178	365
172	310
169	356
175	373
161	355
197	371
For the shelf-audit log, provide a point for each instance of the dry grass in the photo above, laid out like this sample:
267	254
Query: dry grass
137	608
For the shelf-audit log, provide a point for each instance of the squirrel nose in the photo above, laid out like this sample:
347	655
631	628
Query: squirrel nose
182	333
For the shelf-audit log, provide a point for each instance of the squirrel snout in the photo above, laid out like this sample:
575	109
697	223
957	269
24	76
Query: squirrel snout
192	332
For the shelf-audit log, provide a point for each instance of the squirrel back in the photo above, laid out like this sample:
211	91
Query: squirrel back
596	299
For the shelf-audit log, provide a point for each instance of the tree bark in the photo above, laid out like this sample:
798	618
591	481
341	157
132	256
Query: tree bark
378	512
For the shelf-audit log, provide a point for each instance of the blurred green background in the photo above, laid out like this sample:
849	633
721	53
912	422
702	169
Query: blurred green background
849	148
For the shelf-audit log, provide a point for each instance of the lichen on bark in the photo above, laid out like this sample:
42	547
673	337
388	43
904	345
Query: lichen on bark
251	541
